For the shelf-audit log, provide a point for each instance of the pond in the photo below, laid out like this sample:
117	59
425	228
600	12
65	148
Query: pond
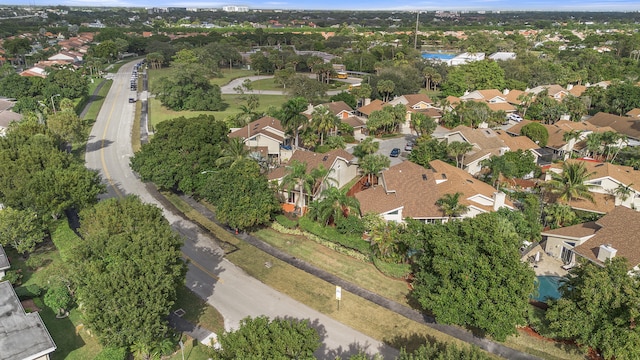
547	287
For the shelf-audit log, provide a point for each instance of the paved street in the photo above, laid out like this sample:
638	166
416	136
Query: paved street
224	285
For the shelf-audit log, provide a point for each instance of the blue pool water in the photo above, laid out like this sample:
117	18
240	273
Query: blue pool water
438	56
547	287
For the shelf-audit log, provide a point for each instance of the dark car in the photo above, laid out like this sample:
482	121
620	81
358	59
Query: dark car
132	100
395	152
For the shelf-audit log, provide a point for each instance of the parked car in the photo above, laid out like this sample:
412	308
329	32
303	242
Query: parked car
408	147
514	117
395	152
132	100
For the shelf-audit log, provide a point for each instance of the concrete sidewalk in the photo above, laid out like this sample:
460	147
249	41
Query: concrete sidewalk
457	332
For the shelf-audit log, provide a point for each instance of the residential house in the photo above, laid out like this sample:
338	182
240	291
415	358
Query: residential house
4	262
576	90
415	103
339	163
408	190
606	184
23	336
337	108
634	113
369	107
7	116
69	57
502	56
555	91
266	136
614	235
486	143
495	99
513	97
515	143
625	125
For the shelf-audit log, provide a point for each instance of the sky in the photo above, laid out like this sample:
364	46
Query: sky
520	5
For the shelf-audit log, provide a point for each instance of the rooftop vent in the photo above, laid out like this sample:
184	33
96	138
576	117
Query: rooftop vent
469	181
424	176
444	176
325	158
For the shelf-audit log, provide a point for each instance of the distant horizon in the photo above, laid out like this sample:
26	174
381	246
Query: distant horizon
360	5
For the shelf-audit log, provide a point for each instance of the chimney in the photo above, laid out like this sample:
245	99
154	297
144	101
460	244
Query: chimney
310	108
498	200
505	92
569	86
367	101
606	251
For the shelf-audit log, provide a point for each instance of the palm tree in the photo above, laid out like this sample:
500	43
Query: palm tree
570	183
594	143
292	118
232	152
368	146
386	87
335	204
525	101
373	165
297	179
622	192
557	215
450	205
458	149
323	121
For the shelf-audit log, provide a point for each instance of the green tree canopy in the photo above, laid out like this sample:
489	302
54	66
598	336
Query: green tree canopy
428	149
189	89
469	273
127	268
263	338
179	151
536	132
242	196
476	75
599	308
21	229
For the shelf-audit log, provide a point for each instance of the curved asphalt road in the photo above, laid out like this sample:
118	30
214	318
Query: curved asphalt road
228	88
224	285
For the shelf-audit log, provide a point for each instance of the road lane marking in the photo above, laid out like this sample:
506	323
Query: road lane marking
202	268
120	195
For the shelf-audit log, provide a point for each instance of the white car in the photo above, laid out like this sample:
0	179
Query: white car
514	117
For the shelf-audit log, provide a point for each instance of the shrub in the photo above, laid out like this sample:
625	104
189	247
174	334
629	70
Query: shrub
34	262
350	225
112	354
398	271
331	234
28	292
286	222
57	298
322	149
13	276
349	139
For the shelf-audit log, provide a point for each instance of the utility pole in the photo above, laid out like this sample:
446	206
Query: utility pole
415	38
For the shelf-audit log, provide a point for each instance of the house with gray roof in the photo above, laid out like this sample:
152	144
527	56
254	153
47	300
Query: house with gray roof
23	335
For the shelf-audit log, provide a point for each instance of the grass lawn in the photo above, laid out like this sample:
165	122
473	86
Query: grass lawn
266	84
318	294
227	75
193	350
73	341
198	312
158	113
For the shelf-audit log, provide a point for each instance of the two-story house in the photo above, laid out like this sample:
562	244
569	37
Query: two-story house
267	137
408	190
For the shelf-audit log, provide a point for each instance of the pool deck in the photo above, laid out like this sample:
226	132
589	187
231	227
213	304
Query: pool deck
546	266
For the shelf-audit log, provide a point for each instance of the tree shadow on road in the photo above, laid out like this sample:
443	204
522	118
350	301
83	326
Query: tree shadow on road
97	145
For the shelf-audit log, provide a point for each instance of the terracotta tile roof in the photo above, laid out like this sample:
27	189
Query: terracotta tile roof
489	94
620	229
622	124
336	107
453	100
313	161
622	174
413	99
498	106
417	189
433	112
575	231
354	121
577	90
371	107
259	127
512	97
556	133
485	142
634	113
515	143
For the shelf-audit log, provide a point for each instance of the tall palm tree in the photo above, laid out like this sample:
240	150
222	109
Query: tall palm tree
373	165
232	152
594	143
368	146
450	205
525	101
622	192
458	149
570	183
335	204
323	121
297	179
386	87
292	118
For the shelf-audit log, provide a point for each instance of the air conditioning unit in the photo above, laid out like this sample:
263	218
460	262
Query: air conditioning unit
606	252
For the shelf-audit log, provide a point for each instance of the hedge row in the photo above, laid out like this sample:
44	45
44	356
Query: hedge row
286	222
330	234
28	292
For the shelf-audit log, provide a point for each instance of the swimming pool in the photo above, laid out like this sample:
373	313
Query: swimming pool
547	287
437	56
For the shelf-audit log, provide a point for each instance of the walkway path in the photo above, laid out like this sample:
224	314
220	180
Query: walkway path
457	332
228	88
